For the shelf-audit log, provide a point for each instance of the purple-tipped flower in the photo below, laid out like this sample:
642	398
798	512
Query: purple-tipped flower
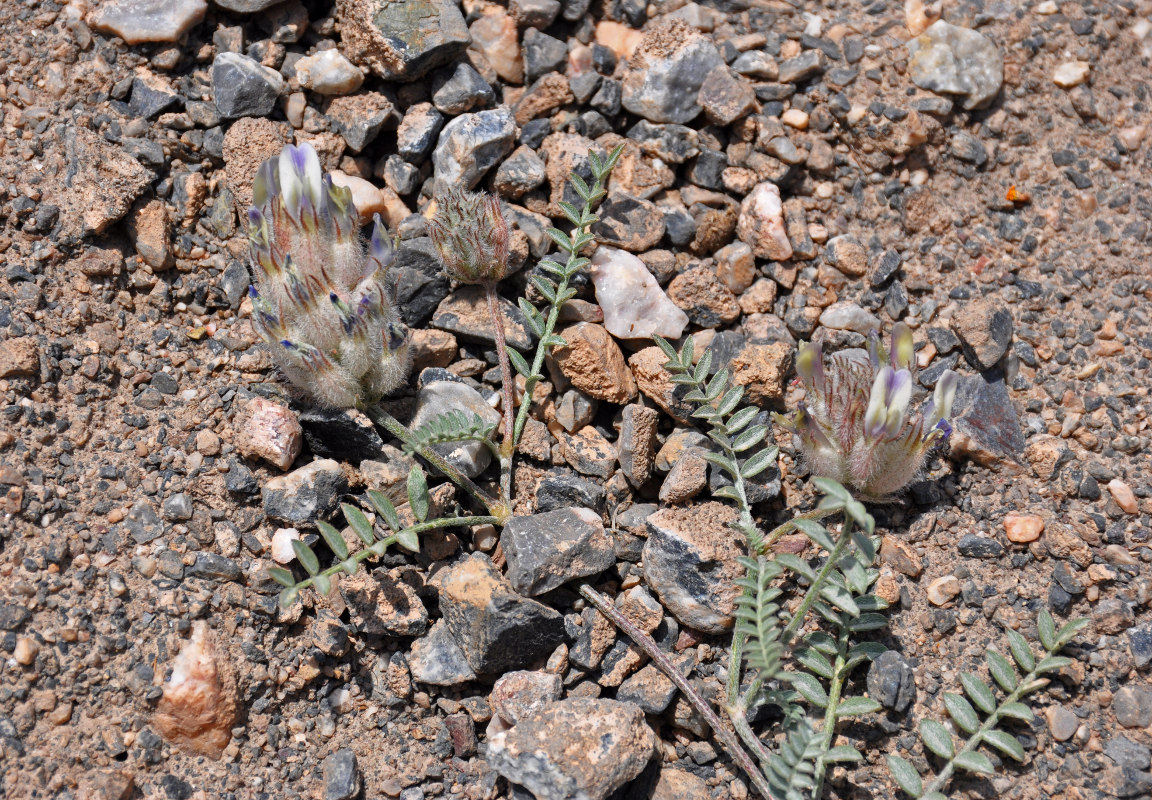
471	236
319	299
855	424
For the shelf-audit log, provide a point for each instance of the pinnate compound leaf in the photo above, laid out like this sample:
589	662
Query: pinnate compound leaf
905	775
936	738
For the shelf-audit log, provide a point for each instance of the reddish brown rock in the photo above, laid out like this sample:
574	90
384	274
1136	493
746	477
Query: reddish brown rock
656	383
763	370
247	144
19	357
707	301
592	361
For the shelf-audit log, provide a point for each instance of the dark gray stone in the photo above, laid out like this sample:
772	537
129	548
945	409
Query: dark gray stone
649	688
239	479
243	87
143	522
402	40
545	551
305	494
360	118
438	660
892	681
1127	753
673	144
561	489
234	282
1140	644
417	132
212	566
178	507
344	434
497	629
150	100
417	281
967	147
973	546
341	775
471	144
804	66
665	89
886	268
542	54
165	383
460	89
1133	707
607	98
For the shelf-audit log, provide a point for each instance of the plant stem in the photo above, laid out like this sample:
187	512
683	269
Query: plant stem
814	591
661	659
790	525
506	374
508	387
497	508
839	675
385	543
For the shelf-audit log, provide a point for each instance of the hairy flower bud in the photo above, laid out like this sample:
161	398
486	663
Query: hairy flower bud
471	236
854	425
319	299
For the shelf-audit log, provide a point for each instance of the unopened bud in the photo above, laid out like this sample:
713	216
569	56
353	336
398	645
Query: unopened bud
471	235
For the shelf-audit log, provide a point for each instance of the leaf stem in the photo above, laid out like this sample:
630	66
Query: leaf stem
497	508
508	384
661	659
813	592
388	541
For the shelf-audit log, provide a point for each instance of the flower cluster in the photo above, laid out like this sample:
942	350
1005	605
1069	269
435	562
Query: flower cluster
854	425
319	299
471	235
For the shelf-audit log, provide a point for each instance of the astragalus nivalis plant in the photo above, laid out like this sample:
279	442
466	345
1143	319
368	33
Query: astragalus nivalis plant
854	425
320	299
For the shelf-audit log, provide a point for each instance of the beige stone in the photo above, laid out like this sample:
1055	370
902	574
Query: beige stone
1023	528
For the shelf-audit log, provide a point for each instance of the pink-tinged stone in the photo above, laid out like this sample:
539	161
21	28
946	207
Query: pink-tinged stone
495	35
282	552
1123	496
761	223
138	21
634	305
269	431
1023	528
198	708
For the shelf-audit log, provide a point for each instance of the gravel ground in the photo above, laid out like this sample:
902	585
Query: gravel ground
818	183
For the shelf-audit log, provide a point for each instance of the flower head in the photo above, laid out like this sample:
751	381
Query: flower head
319	299
855	426
471	235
